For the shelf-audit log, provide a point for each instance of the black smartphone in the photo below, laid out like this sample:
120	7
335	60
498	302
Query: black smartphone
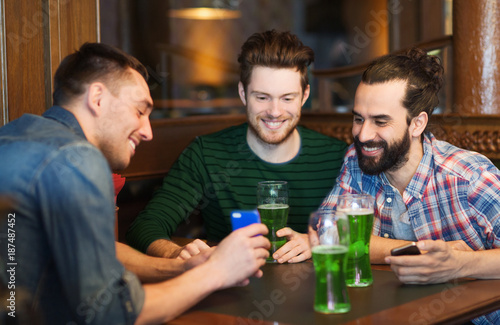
243	218
409	249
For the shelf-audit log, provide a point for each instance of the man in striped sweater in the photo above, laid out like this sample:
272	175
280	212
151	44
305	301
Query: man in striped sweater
219	173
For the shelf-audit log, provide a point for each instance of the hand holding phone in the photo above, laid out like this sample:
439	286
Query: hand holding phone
243	218
409	249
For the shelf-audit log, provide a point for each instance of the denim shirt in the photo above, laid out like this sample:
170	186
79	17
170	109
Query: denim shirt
63	223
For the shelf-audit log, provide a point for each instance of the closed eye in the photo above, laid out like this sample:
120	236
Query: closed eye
358	119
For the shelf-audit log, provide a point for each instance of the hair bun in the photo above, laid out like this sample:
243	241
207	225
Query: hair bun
430	64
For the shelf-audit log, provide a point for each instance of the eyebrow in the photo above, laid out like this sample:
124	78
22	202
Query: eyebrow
149	104
267	94
375	117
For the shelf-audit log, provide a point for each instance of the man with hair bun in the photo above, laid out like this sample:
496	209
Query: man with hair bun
426	191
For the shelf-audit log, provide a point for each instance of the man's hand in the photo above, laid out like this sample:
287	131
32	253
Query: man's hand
240	255
440	262
296	249
191	249
198	259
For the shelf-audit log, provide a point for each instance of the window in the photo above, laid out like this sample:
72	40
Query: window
193	61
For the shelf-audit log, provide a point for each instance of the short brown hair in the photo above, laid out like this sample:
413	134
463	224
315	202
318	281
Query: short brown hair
274	49
92	62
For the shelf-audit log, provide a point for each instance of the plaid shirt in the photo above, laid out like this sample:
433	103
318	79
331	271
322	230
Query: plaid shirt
453	195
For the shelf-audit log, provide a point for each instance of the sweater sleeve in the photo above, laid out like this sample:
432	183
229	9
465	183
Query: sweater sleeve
173	202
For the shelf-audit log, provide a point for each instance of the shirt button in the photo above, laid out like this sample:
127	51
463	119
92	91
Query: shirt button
386	235
389	200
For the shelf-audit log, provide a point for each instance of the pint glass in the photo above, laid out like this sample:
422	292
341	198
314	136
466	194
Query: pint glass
329	238
272	203
359	210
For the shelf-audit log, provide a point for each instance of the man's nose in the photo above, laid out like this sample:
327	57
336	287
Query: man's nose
146	131
366	132
275	109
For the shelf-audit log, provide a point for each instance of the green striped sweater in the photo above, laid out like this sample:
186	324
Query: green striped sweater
219	173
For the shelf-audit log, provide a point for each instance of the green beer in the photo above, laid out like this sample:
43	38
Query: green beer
331	291
275	217
359	273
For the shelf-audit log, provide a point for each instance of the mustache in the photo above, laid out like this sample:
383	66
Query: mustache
369	144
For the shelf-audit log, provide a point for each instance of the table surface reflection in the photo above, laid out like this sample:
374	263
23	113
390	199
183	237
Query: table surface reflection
285	295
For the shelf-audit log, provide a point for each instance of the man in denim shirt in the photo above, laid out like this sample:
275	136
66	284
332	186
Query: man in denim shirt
56	169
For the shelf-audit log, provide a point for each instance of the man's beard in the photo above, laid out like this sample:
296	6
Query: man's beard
264	136
392	158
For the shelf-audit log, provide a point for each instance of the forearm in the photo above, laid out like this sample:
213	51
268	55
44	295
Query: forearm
381	247
163	248
483	264
148	268
237	257
169	299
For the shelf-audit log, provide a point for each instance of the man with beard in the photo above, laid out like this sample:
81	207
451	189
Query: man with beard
219	173
426	190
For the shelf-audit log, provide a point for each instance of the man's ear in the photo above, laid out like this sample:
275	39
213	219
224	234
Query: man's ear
241	92
419	123
95	95
307	91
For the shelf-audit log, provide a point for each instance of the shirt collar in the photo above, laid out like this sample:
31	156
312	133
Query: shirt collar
424	172
66	118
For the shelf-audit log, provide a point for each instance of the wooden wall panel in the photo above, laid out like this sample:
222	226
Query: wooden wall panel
24	66
35	36
72	23
171	136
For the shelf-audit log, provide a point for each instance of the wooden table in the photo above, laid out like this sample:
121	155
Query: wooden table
285	295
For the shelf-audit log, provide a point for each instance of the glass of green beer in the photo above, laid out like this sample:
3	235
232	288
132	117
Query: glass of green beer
359	211
329	238
272	203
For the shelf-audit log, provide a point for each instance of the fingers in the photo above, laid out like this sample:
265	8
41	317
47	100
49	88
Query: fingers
262	242
295	250
412	278
417	274
192	249
285	232
432	245
403	260
198	259
200	244
438	264
296	255
258	274
241	254
252	230
243	283
184	255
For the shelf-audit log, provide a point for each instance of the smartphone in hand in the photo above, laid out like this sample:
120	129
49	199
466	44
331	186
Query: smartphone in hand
409	249
243	218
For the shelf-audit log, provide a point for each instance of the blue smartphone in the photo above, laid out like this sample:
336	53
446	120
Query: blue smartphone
243	218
